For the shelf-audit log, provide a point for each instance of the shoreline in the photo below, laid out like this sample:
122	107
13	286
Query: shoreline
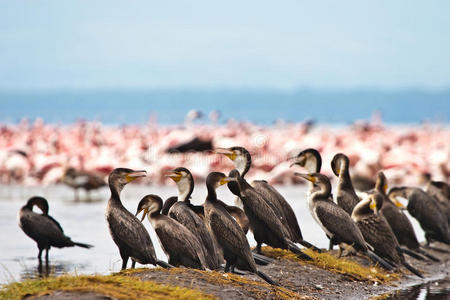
298	279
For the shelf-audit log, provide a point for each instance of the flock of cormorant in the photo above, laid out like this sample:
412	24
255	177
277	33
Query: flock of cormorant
211	235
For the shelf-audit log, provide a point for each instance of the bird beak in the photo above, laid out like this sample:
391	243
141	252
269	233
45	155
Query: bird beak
306	176
227	152
385	188
398	204
174	175
144	214
226	180
136	174
373	205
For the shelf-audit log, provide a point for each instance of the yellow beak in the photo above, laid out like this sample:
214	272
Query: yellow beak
226	180
174	175
136	174
144	214
227	152
373	205
399	204
306	176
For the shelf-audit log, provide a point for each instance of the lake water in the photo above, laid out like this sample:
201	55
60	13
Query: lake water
85	222
258	106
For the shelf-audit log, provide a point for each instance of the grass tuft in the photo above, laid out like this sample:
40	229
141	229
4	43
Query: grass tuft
117	286
329	262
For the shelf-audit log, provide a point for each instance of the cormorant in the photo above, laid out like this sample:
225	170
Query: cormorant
181	246
43	229
188	215
398	221
377	232
424	208
126	230
335	222
284	212
345	193
227	231
264	223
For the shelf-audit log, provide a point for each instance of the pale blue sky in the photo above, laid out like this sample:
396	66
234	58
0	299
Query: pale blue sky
232	44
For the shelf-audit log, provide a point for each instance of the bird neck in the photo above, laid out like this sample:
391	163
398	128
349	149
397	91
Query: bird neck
185	189
362	209
324	192
212	195
344	175
115	192
242	165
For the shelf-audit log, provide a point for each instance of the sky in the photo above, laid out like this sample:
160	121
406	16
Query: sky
386	45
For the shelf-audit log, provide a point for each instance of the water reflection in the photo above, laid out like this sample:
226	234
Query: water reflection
45	269
436	290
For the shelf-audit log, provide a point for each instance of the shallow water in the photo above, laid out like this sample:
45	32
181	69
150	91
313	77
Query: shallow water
435	290
85	222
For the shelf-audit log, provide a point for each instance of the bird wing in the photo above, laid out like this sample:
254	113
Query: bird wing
378	234
337	223
44	228
228	233
177	239
262	211
287	210
129	232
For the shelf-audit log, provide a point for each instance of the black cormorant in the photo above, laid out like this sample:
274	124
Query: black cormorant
264	223
398	221
424	208
181	246
227	231
43	229
126	230
377	232
335	222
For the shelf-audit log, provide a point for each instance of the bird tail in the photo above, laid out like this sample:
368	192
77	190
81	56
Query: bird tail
309	245
293	247
412	253
83	245
375	258
412	269
266	278
163	264
424	253
261	259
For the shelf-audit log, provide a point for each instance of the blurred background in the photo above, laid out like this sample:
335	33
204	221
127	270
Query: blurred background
87	86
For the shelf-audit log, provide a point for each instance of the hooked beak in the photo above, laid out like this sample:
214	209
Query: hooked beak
174	175
227	152
144	214
136	174
226	180
306	176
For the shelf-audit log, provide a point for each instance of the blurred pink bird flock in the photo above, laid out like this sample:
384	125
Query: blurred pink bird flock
37	153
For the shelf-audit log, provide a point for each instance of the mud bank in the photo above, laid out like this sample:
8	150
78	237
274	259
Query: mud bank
325	278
